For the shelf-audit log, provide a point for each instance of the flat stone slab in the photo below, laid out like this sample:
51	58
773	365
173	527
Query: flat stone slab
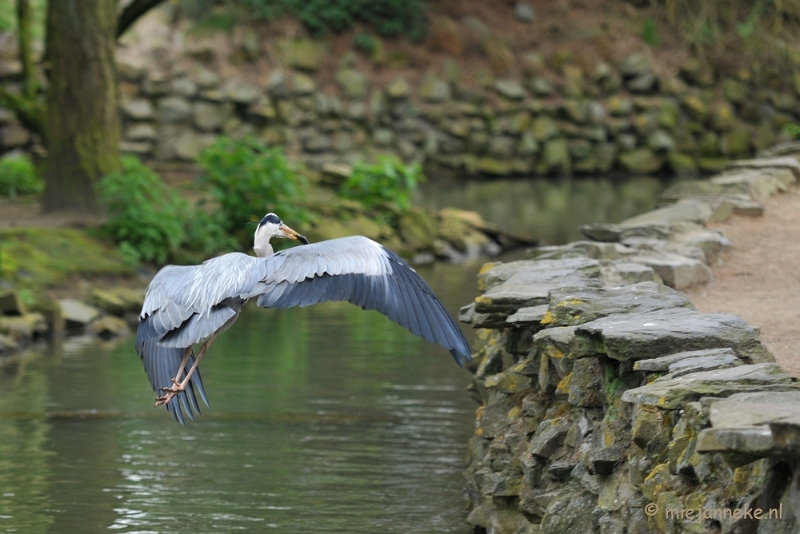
587	249
671	393
757	441
604	232
579	305
530	286
741	410
621	273
77	313
663	363
703	363
649	335
743	423
786	162
677	271
527	316
759	184
687	209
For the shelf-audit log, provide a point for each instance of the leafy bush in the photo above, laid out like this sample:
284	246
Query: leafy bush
387	182
387	17
365	42
248	179
793	129
145	216
18	177
152	223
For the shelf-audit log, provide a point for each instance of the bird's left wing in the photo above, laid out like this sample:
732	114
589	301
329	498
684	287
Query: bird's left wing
363	272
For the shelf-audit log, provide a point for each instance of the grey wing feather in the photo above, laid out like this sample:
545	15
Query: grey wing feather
161	364
183	306
360	271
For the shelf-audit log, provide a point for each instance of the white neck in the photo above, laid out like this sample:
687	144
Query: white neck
261	244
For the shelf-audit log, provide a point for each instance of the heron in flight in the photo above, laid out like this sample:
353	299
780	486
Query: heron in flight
185	305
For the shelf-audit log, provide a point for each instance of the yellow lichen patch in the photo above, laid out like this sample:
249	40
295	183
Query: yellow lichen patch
548	318
553	352
569	302
609	436
514	413
483	300
563	385
485	268
488	266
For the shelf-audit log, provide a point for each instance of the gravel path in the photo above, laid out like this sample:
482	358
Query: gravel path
759	279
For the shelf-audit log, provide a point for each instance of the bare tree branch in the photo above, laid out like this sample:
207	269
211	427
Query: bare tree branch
132	12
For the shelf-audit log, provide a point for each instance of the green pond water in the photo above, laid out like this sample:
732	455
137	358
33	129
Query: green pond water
323	419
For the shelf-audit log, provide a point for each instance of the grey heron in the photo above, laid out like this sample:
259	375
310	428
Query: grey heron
186	305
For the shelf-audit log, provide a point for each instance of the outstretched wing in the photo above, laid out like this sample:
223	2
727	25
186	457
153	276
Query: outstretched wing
183	306
363	272
161	364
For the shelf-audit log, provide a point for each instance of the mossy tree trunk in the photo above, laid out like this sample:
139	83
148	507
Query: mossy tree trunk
82	127
24	21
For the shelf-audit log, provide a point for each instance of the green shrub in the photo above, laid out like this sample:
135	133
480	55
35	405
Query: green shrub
793	129
18	177
365	42
387	182
248	179
152	223
145	216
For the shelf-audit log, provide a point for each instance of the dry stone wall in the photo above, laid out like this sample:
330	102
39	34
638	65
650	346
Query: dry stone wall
551	120
608	404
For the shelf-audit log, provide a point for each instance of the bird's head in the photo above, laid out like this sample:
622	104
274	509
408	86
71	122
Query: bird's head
271	226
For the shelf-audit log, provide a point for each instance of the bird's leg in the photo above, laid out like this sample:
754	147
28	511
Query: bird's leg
166	398
178	387
186	354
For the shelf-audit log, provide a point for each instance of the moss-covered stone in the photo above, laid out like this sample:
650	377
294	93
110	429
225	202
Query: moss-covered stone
641	161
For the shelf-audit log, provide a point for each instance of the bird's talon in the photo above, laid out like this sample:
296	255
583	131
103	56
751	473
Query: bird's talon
161	401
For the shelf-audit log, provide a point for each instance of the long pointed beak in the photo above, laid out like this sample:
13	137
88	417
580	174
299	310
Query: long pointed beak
291	234
288	232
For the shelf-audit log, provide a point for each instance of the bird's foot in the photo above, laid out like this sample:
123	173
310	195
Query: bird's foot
169	393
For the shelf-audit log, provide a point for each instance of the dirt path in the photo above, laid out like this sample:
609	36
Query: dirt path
760	278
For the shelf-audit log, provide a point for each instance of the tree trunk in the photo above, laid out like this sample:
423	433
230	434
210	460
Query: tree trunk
24	20
82	127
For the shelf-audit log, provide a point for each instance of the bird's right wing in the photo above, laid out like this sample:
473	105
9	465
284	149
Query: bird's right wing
363	272
161	364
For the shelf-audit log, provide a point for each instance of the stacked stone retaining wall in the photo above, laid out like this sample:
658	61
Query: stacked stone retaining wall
550	119
608	404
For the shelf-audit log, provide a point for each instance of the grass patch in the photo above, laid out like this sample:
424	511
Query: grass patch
35	258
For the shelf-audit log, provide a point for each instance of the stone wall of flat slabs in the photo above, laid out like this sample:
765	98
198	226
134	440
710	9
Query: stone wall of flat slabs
608	404
581	120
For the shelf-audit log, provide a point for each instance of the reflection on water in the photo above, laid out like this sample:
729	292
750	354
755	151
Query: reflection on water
549	209
323	419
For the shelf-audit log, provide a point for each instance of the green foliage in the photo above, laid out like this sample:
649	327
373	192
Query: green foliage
18	177
387	17
145	216
748	27
248	179
152	223
793	129
387	182
8	17
650	32
365	42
